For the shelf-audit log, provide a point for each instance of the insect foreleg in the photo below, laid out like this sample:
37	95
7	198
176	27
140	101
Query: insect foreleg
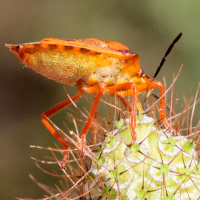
121	90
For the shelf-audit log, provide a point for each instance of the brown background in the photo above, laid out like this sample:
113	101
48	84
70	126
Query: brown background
146	27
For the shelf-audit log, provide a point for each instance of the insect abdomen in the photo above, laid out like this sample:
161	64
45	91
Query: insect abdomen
61	63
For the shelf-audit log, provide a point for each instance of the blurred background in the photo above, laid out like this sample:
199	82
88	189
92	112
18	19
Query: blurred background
146	27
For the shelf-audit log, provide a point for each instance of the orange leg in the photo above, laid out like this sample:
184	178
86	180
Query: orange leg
133	115
93	110
51	111
151	85
157	84
126	87
94	129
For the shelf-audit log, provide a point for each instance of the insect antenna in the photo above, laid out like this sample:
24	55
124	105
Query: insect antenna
166	54
162	62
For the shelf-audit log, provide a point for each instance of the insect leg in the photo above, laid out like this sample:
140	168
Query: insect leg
148	86
54	109
84	130
94	129
133	115
157	84
127	87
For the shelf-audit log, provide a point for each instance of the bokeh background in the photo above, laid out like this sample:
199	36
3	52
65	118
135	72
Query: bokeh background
146	27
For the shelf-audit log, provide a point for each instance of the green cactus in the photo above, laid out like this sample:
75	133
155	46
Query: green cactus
158	166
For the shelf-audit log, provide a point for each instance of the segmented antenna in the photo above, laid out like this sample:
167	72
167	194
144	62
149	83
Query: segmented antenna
166	54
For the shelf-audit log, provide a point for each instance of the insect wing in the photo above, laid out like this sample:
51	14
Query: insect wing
109	48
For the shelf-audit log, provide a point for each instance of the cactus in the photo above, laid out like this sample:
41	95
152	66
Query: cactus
159	165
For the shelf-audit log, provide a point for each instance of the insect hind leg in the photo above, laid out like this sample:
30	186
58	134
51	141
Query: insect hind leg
51	111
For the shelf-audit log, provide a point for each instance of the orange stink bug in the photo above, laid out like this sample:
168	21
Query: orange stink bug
93	66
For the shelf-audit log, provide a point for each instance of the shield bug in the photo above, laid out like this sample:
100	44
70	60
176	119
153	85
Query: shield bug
93	66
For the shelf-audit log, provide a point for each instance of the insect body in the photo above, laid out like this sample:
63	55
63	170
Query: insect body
93	66
82	62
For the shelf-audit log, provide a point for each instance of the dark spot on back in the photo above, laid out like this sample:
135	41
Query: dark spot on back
52	46
68	48
84	51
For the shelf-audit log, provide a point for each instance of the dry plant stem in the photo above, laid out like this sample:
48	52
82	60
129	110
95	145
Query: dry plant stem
172	92
194	104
